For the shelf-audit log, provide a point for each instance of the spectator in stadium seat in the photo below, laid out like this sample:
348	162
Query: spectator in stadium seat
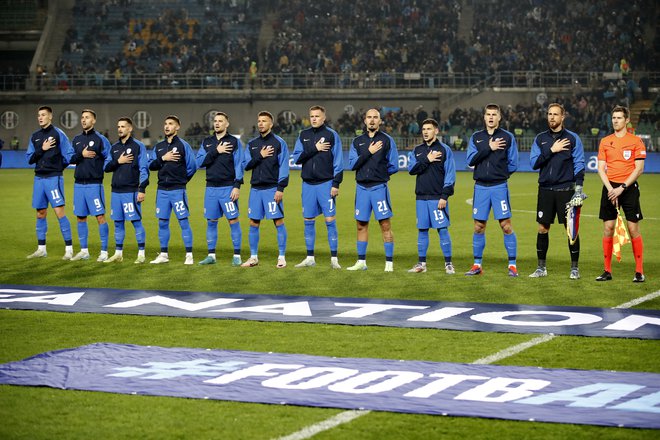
50	151
91	150
558	154
267	155
432	164
493	152
129	163
15	143
374	157
174	160
620	163
222	156
318	149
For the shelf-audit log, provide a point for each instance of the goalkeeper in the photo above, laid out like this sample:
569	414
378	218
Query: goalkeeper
559	156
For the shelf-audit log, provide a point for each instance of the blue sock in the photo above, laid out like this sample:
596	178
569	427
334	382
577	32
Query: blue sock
83	232
236	236
445	243
140	234
362	250
389	250
164	233
422	244
332	237
253	238
281	238
42	228
478	246
211	235
120	233
104	234
65	227
511	245
310	236
186	234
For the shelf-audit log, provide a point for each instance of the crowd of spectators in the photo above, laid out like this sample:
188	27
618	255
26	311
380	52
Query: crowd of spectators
221	36
345	36
561	36
159	37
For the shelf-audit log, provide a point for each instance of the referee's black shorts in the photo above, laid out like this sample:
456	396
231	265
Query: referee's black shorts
551	204
628	201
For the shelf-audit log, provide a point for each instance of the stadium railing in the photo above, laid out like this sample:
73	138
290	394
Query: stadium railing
311	80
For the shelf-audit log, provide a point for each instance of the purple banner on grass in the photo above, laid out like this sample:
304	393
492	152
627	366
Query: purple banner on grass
510	318
448	389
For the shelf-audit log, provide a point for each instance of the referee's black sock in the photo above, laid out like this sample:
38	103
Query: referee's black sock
542	241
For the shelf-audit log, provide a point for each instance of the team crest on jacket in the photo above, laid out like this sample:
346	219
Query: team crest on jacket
540	214
627	154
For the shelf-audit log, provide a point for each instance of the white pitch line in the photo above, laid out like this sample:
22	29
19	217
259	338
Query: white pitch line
347	416
638	301
311	430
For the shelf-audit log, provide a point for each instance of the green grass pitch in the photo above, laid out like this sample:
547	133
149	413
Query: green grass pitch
37	413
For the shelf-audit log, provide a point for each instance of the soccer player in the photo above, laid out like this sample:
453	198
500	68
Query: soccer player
267	155
129	163
374	157
559	156
318	149
91	150
620	163
432	162
175	162
50	151
222	156
493	152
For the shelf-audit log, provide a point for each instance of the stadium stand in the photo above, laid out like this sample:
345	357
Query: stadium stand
152	36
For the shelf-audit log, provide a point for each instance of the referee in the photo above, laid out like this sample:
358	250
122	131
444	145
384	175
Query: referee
620	162
558	154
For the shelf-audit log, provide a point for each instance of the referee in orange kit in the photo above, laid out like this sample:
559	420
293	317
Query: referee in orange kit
620	163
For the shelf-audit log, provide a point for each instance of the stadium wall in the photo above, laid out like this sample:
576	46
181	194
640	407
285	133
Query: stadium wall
18	111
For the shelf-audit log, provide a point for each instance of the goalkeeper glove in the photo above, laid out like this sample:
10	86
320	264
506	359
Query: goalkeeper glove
578	197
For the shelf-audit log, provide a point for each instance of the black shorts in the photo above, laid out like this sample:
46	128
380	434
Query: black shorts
550	204
628	200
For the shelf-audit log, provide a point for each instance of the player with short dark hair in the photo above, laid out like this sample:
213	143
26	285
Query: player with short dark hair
91	150
493	152
222	156
174	160
432	162
50	151
374	157
558	154
620	163
318	150
129	163
267	155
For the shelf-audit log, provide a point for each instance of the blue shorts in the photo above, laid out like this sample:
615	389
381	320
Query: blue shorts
262	205
316	199
429	216
487	197
172	200
88	199
124	206
48	190
218	203
376	198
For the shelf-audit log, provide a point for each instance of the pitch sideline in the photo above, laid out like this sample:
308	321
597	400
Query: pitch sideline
347	416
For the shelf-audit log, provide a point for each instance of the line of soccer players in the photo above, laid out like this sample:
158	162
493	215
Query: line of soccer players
493	153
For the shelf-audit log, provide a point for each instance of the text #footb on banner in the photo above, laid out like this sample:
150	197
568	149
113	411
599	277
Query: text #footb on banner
515	393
